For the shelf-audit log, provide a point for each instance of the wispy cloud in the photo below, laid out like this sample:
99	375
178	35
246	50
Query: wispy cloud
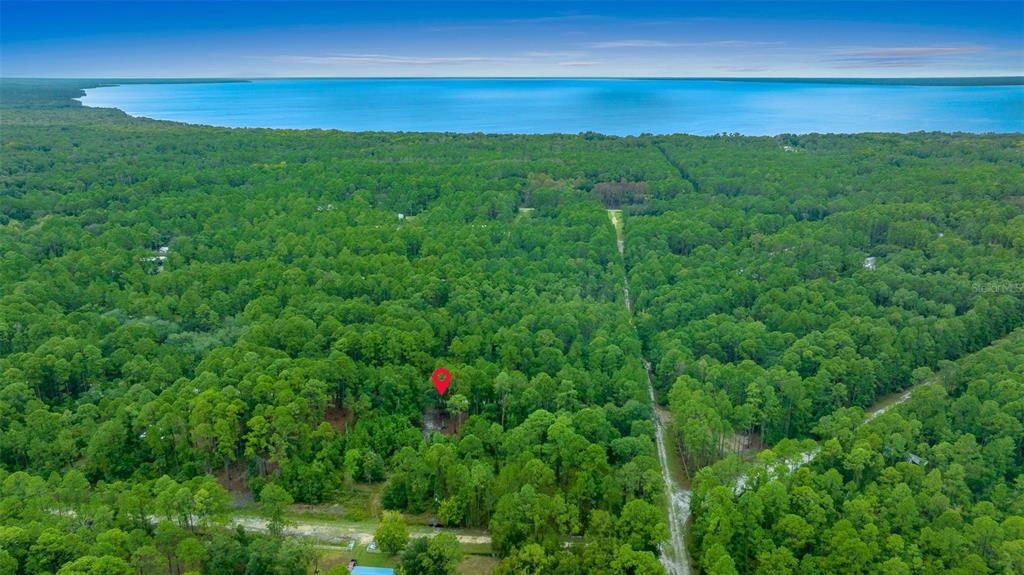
921	51
879	63
900	57
578	63
632	44
556	54
392	60
744	69
641	43
507	22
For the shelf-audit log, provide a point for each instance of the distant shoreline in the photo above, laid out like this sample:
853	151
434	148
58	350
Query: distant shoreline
940	81
620	107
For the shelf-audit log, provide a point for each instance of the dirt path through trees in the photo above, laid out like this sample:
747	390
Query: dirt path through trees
880	407
336	532
674	559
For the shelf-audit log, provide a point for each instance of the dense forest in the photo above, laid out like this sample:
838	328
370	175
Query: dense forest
196	322
933	487
821	274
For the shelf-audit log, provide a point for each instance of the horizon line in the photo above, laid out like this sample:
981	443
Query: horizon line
552	77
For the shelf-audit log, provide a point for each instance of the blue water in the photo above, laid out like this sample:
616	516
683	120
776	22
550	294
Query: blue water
539	106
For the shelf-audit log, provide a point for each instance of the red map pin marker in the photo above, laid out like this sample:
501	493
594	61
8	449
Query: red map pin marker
441	379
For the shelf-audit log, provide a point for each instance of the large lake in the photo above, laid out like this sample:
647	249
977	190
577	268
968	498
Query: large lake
539	106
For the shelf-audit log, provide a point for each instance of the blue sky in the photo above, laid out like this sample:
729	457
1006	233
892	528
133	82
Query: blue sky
270	39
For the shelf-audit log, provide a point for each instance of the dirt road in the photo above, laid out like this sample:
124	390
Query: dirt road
674	558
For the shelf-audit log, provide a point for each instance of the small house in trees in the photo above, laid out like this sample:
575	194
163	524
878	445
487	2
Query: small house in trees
158	260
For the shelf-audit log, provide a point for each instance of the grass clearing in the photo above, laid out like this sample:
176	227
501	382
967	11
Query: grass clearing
676	465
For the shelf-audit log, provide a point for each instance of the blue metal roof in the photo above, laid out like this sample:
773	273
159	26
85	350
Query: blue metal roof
360	570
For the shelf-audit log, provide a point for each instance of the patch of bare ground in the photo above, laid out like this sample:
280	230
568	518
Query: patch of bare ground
233	478
341	418
437	420
743	444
